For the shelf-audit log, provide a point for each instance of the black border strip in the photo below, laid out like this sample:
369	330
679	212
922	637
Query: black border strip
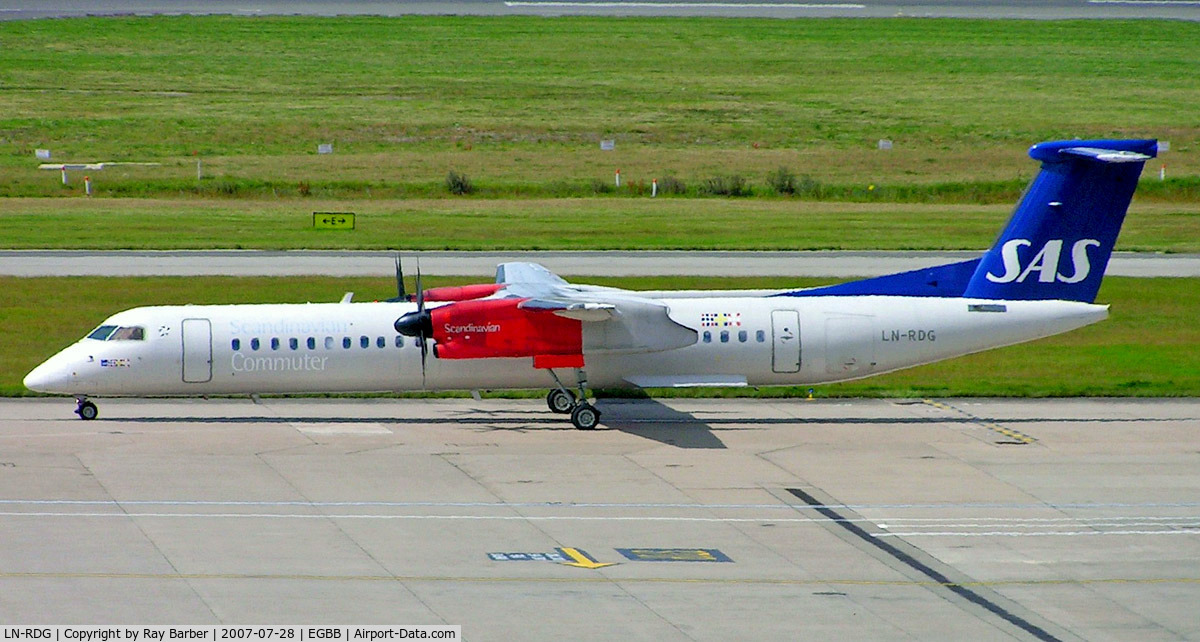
958	589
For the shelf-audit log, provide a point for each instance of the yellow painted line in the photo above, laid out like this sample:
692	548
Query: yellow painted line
582	559
595	578
992	426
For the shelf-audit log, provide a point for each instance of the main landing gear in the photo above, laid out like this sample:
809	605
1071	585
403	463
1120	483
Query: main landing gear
584	416
86	410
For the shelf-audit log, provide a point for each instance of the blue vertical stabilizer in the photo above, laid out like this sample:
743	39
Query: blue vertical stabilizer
1059	240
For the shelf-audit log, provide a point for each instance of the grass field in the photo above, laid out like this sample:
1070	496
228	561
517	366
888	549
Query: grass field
522	101
595	223
1150	346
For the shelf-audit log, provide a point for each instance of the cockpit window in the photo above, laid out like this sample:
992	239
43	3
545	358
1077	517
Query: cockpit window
118	333
129	333
101	333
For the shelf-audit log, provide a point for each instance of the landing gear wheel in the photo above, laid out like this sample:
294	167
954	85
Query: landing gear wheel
585	417
87	410
560	401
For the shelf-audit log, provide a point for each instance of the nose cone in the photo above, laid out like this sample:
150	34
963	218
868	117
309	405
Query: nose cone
415	324
48	377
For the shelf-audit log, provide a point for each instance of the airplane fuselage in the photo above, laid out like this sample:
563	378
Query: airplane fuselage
353	347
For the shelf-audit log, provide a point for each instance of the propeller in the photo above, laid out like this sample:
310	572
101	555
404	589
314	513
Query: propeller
418	324
400	294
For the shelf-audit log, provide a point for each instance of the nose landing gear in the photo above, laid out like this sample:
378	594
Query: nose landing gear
86	410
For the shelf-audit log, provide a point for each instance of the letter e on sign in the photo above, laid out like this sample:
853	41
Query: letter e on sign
333	220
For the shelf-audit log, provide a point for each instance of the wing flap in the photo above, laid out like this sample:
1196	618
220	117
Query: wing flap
580	311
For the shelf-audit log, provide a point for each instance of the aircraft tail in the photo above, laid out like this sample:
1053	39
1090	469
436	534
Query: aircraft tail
1059	239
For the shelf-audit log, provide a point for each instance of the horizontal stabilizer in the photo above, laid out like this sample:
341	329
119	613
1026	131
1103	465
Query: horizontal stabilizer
1106	155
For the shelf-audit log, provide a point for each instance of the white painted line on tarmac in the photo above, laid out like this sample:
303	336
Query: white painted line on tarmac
426	504
1188	523
532	518
1036	534
1168	3
680	5
1191	526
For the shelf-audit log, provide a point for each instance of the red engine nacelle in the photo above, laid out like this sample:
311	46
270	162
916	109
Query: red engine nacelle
462	292
498	328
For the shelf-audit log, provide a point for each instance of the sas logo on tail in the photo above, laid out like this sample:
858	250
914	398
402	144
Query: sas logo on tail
1045	263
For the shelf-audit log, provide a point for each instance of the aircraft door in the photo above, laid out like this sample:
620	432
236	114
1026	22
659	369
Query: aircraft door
849	344
785	341
197	350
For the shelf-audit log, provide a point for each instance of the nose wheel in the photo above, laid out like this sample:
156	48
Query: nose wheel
86	410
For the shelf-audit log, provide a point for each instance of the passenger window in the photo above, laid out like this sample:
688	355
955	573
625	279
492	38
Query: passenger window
760	336
742	336
312	343
102	333
399	341
346	343
329	343
236	344
380	342
293	343
274	343
254	344
707	336
364	342
724	336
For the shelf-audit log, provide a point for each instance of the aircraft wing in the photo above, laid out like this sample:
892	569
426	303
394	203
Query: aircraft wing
614	320
526	273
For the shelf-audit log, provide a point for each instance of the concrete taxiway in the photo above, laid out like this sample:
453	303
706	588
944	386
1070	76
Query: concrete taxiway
834	264
685	519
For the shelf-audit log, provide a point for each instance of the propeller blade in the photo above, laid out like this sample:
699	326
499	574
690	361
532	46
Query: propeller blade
425	317
424	356
418	323
420	289
400	294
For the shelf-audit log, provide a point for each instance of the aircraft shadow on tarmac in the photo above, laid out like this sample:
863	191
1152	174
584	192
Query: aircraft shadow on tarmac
646	418
650	419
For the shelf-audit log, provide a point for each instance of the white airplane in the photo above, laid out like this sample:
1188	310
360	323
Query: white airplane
1039	279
